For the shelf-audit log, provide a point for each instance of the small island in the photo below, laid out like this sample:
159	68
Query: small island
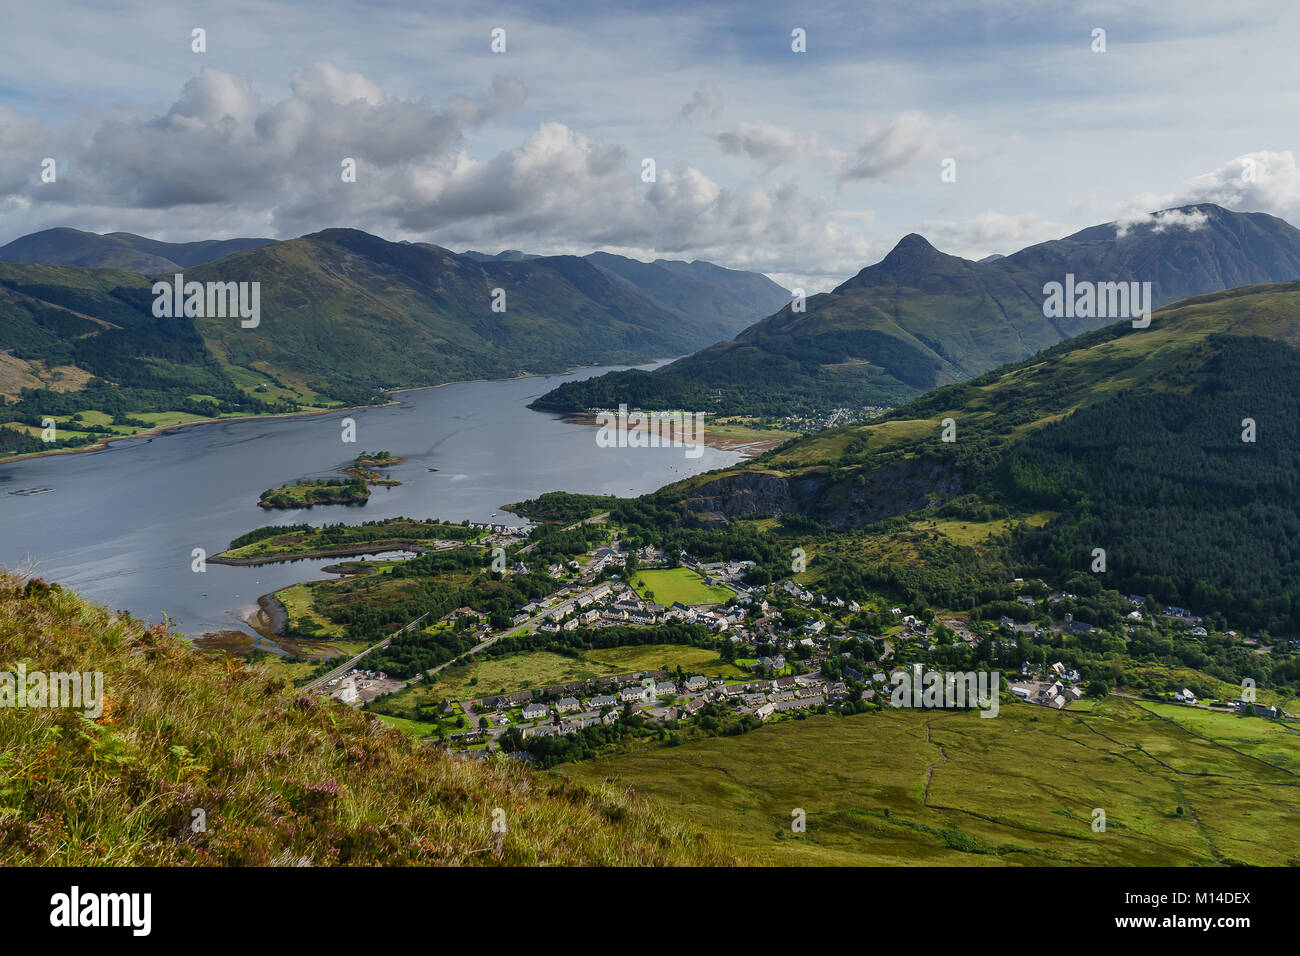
354	489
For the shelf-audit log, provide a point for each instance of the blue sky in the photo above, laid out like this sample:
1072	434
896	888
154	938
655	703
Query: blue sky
806	166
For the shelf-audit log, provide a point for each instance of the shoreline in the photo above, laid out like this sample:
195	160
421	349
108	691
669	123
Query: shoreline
101	444
746	448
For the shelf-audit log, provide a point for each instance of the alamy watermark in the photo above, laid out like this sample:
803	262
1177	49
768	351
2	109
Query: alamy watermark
71	689
1098	300
208	300
945	689
651	430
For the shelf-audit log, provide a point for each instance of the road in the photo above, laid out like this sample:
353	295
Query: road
344	668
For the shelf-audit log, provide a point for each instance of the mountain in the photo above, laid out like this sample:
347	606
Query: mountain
344	316
920	318
347	312
118	250
723	299
699	290
1174	448
284	777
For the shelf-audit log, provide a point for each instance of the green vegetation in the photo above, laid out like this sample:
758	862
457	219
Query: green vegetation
281	778
925	788
389	534
308	492
678	584
483	676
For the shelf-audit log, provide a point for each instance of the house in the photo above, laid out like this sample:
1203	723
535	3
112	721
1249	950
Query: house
696	683
815	627
605	700
535	711
1184	696
631	695
567	705
765	711
519	618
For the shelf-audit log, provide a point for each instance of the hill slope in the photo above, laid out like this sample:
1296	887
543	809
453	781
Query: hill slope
281	779
1132	439
920	318
118	250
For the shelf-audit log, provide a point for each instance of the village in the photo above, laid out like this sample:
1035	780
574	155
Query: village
789	637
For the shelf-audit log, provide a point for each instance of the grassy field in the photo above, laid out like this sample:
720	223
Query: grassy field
918	788
678	584
303	618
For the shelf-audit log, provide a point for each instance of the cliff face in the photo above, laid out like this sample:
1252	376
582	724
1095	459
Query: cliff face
842	502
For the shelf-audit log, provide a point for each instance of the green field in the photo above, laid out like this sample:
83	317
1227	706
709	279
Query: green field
925	788
678	584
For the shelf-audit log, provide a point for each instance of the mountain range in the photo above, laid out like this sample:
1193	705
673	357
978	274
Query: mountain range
920	318
344	316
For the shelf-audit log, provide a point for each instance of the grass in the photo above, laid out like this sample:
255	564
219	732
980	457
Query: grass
678	584
394	534
971	533
928	788
283	779
304	619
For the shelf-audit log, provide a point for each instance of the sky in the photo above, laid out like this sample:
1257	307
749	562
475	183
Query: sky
806	166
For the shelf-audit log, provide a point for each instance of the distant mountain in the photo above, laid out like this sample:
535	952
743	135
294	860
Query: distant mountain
344	316
1175	449
920	318
343	310
118	250
714	297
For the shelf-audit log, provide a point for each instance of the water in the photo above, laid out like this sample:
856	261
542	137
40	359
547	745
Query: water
120	525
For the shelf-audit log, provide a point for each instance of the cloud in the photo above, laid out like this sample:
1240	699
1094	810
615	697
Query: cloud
705	103
887	150
991	232
770	145
1261	181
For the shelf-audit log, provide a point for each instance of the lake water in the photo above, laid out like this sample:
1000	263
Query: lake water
120	525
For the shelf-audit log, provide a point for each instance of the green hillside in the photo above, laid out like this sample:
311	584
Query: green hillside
280	779
1131	439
